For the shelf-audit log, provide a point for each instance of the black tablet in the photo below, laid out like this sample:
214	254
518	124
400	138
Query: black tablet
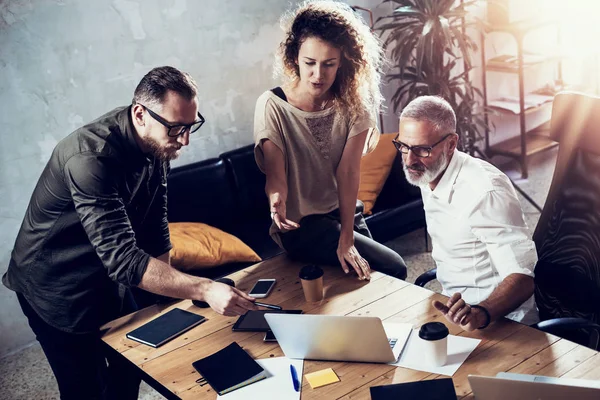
166	327
254	321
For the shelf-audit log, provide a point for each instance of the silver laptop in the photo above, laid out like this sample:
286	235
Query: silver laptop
526	387
338	338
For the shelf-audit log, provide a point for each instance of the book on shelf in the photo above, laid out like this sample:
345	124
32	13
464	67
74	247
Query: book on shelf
511	62
511	103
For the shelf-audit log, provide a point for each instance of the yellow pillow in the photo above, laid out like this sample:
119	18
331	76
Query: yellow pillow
375	168
197	246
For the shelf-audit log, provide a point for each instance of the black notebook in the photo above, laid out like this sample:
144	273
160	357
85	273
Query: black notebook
434	389
166	327
229	369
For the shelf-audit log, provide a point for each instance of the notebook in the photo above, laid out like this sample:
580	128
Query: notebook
434	389
229	369
166	327
276	386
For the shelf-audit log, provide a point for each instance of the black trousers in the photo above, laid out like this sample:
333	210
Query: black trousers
80	364
316	242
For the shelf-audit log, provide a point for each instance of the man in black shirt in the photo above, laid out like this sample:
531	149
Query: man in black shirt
97	225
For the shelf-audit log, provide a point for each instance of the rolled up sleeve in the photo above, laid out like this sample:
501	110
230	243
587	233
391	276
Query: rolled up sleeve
94	185
266	127
363	123
497	220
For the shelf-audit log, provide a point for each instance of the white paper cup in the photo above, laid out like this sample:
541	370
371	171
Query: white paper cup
434	343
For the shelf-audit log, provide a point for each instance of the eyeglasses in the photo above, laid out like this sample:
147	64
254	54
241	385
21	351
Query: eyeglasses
419	151
176	130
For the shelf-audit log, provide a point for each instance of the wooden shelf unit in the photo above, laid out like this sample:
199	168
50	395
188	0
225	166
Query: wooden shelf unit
513	68
528	110
527	142
512	146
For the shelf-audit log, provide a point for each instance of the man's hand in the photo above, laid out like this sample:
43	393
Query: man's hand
347	254
460	313
228	300
278	214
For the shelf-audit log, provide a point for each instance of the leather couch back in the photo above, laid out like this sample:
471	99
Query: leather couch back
201	192
248	180
219	191
228	193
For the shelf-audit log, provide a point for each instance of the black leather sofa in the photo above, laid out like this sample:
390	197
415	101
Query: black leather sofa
228	193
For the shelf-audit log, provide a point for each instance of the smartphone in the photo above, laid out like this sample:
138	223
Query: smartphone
269	337
262	288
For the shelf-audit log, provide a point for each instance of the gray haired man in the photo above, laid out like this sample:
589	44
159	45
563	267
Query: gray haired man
484	255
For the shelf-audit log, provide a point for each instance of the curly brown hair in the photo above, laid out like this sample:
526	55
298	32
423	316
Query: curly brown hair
356	87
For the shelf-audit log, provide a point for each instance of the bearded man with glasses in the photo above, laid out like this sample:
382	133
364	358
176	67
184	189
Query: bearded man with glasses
483	252
96	226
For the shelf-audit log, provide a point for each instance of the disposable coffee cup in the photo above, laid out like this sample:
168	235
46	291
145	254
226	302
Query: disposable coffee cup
311	277
434	343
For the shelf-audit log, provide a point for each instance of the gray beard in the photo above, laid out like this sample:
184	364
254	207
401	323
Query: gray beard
159	152
430	173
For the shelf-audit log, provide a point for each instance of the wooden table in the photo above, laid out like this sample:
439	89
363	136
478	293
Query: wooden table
505	346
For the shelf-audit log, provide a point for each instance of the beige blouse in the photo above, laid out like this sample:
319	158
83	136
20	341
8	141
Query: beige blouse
312	144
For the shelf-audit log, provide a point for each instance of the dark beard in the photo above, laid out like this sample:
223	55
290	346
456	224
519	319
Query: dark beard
158	152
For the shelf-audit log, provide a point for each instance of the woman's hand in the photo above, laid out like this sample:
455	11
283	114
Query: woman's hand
347	254
278	214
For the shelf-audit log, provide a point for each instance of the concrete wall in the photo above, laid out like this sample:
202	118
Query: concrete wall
65	62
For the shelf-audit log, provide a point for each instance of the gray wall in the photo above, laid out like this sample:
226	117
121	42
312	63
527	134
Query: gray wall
65	62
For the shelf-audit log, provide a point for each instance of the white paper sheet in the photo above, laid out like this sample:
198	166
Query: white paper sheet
276	386
459	349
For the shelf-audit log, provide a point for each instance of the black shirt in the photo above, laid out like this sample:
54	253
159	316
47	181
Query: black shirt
97	214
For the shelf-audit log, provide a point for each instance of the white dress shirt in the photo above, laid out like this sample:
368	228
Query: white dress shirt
478	232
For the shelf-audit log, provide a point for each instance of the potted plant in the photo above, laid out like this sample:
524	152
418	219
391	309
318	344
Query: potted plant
431	54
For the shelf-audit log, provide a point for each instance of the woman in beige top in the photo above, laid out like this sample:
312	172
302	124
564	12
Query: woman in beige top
310	135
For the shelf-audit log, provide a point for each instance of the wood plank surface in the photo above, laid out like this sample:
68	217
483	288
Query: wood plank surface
505	345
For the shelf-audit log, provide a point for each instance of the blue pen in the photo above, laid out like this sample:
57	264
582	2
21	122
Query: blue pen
295	378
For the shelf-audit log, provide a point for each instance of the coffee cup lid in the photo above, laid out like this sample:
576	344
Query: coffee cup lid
433	331
310	272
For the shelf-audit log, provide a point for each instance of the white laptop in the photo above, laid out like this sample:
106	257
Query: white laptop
338	338
525	387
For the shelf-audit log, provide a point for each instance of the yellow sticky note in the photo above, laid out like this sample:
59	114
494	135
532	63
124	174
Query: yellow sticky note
321	378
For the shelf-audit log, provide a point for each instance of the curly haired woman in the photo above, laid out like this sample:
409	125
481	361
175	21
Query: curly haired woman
310	134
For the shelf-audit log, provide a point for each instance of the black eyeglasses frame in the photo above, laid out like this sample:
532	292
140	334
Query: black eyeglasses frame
180	129
404	148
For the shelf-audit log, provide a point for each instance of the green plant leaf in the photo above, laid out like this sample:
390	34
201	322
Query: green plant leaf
428	47
407	11
445	27
427	27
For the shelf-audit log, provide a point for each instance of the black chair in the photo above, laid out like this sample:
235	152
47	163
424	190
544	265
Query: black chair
426	277
567	236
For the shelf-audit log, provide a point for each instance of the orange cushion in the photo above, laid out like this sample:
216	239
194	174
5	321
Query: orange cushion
198	246
375	168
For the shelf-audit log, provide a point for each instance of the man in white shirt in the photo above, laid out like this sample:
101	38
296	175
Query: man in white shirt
484	256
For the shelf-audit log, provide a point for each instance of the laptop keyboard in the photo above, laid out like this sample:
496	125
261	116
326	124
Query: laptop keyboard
392	342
